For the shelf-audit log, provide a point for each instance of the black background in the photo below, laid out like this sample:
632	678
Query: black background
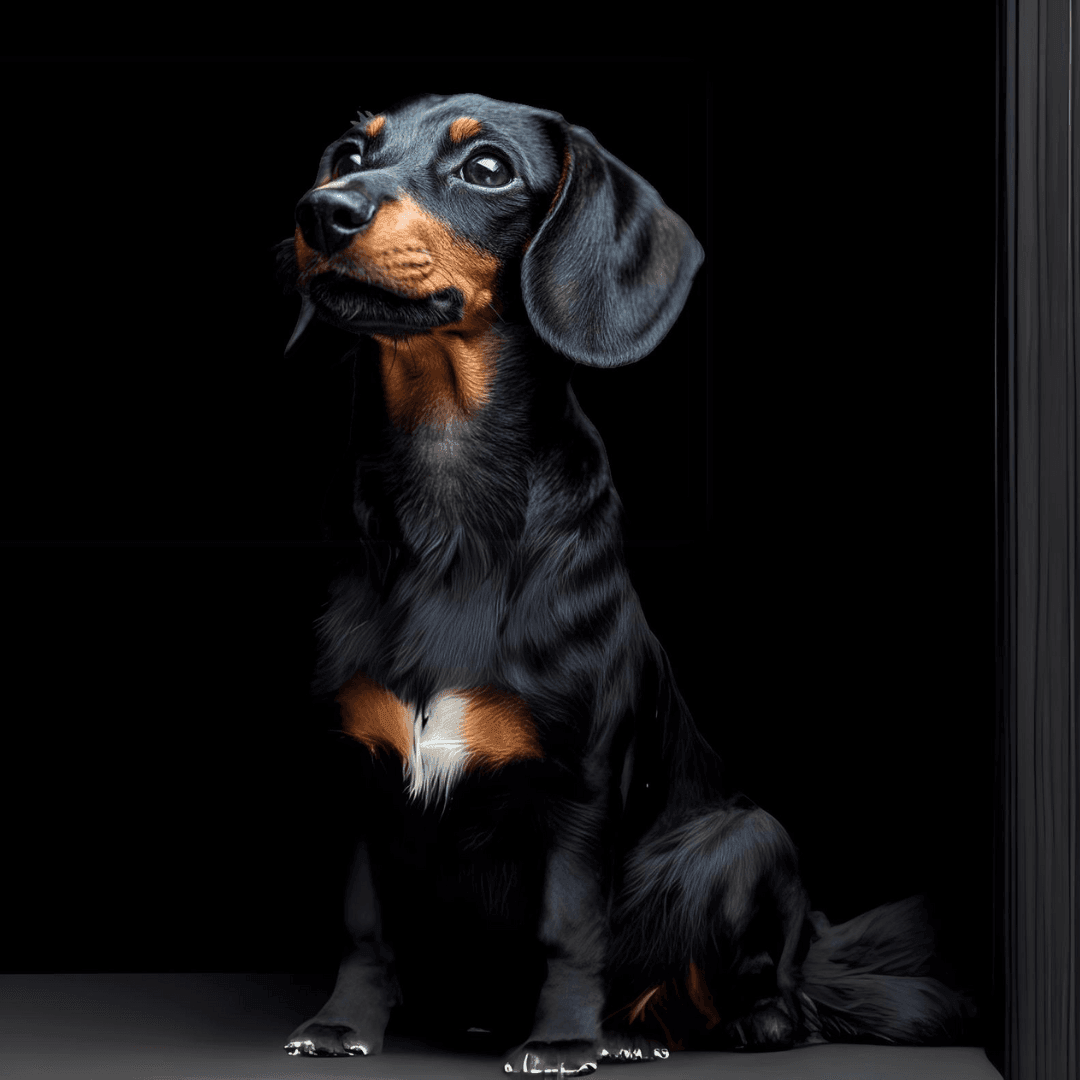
806	467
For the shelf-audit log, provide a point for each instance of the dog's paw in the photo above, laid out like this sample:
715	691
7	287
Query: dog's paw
564	1058
767	1027
317	1039
619	1046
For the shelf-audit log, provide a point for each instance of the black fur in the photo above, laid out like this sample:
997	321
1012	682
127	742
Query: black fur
565	887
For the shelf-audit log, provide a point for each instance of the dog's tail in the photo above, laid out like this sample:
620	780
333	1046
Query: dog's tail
870	978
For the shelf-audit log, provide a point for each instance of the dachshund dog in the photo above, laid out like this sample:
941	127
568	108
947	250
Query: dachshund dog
545	848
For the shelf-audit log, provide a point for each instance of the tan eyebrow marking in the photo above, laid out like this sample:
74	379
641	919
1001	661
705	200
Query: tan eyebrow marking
464	127
374	126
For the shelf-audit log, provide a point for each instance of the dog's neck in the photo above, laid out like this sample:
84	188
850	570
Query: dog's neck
439	379
472	471
462	517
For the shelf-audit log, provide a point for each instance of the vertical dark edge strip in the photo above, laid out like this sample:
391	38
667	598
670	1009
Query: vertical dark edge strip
1037	563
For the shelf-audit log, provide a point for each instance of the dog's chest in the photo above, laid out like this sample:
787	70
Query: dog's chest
440	741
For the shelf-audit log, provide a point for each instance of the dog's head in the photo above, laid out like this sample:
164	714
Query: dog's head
422	219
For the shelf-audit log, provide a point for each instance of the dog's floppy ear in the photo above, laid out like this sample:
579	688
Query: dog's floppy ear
609	269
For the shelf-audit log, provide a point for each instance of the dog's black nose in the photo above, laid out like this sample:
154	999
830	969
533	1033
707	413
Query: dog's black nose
330	219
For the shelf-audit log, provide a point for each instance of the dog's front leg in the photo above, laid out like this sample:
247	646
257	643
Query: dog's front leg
573	929
354	1020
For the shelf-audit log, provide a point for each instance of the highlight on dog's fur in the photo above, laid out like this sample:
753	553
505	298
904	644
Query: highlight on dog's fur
528	777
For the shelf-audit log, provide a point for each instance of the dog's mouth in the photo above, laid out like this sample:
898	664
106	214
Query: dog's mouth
361	307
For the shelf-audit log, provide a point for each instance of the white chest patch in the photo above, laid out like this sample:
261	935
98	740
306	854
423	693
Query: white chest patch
439	751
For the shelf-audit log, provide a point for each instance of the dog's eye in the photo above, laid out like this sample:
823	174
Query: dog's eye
350	164
487	170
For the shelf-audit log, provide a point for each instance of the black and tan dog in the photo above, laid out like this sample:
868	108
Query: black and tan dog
544	831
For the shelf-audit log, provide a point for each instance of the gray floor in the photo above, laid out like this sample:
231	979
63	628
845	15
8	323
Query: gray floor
232	1027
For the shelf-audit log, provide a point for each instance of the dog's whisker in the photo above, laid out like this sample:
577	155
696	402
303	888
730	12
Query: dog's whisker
307	313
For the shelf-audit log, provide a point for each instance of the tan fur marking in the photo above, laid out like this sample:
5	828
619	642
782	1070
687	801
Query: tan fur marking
435	378
374	716
411	252
464	127
654	1002
701	996
374	126
562	178
637	1006
307	258
498	729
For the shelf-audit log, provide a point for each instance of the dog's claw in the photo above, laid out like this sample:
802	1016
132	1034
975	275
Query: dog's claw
307	313
308	1048
585	1069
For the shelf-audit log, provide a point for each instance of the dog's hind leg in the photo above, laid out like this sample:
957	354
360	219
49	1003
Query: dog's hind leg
354	1020
714	909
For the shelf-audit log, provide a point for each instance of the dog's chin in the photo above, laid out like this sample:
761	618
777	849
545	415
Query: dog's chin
362	308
